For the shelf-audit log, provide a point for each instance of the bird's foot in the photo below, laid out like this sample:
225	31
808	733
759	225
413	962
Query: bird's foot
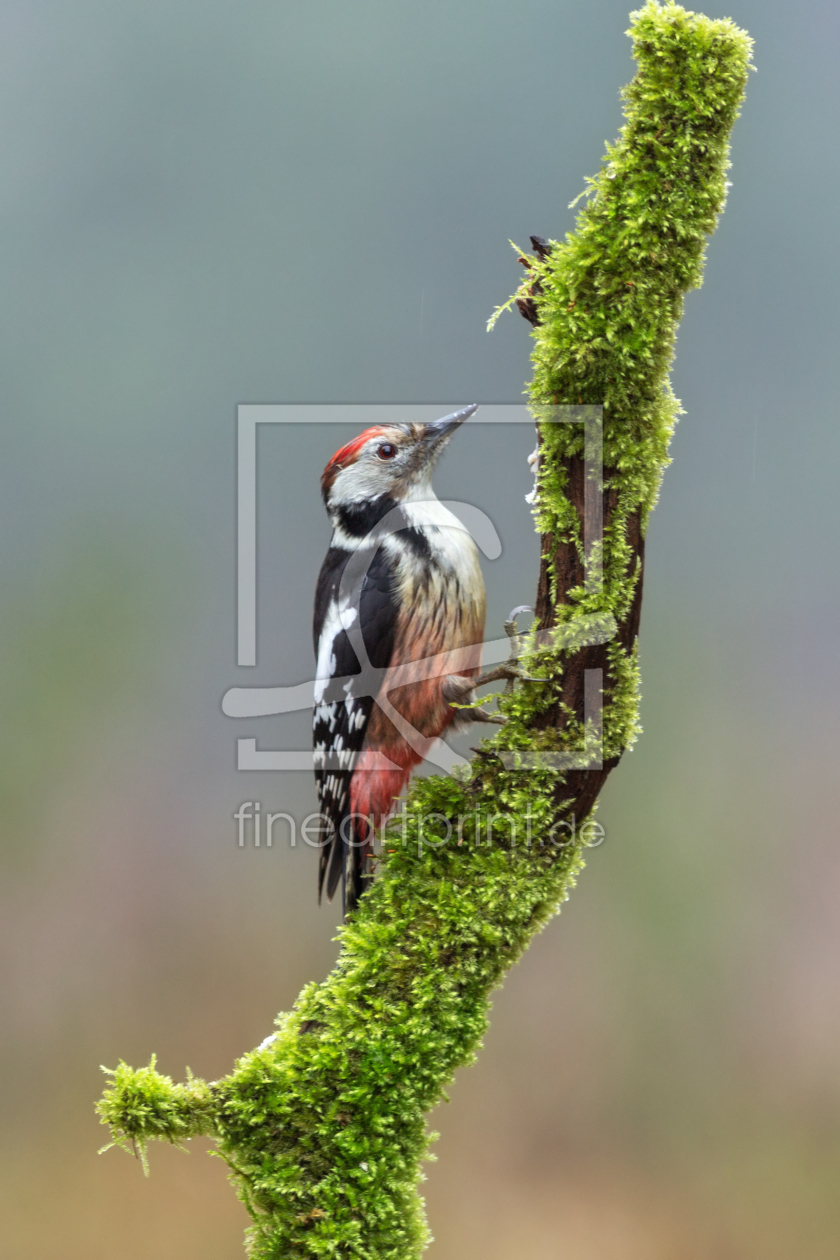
459	690
511	671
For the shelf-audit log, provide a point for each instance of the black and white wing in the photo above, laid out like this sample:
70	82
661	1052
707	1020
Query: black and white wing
341	716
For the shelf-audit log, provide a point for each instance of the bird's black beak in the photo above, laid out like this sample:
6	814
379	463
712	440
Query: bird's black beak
434	433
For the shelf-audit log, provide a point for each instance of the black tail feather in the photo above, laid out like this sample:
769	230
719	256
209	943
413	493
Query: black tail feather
359	876
333	860
334	868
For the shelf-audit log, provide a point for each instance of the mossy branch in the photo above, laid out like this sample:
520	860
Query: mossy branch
323	1126
140	1104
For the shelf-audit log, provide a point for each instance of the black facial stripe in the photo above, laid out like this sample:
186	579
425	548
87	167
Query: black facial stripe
358	519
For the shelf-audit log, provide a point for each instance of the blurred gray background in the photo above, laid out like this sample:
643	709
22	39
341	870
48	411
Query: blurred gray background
206	205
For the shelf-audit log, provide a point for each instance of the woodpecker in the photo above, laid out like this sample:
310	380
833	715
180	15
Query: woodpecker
401	583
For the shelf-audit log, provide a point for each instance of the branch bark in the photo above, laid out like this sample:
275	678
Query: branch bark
323	1127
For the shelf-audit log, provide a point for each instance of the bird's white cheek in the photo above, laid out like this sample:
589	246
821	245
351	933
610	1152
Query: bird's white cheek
363	482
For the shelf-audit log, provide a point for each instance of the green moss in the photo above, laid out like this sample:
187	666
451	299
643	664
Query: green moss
613	290
140	1104
323	1129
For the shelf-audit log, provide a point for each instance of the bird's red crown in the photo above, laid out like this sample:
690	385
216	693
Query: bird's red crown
347	455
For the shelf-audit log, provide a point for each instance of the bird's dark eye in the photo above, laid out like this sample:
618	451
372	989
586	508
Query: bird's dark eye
387	450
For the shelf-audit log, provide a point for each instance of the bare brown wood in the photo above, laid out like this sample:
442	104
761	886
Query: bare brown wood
580	788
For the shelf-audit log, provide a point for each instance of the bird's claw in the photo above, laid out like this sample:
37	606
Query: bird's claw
511	671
